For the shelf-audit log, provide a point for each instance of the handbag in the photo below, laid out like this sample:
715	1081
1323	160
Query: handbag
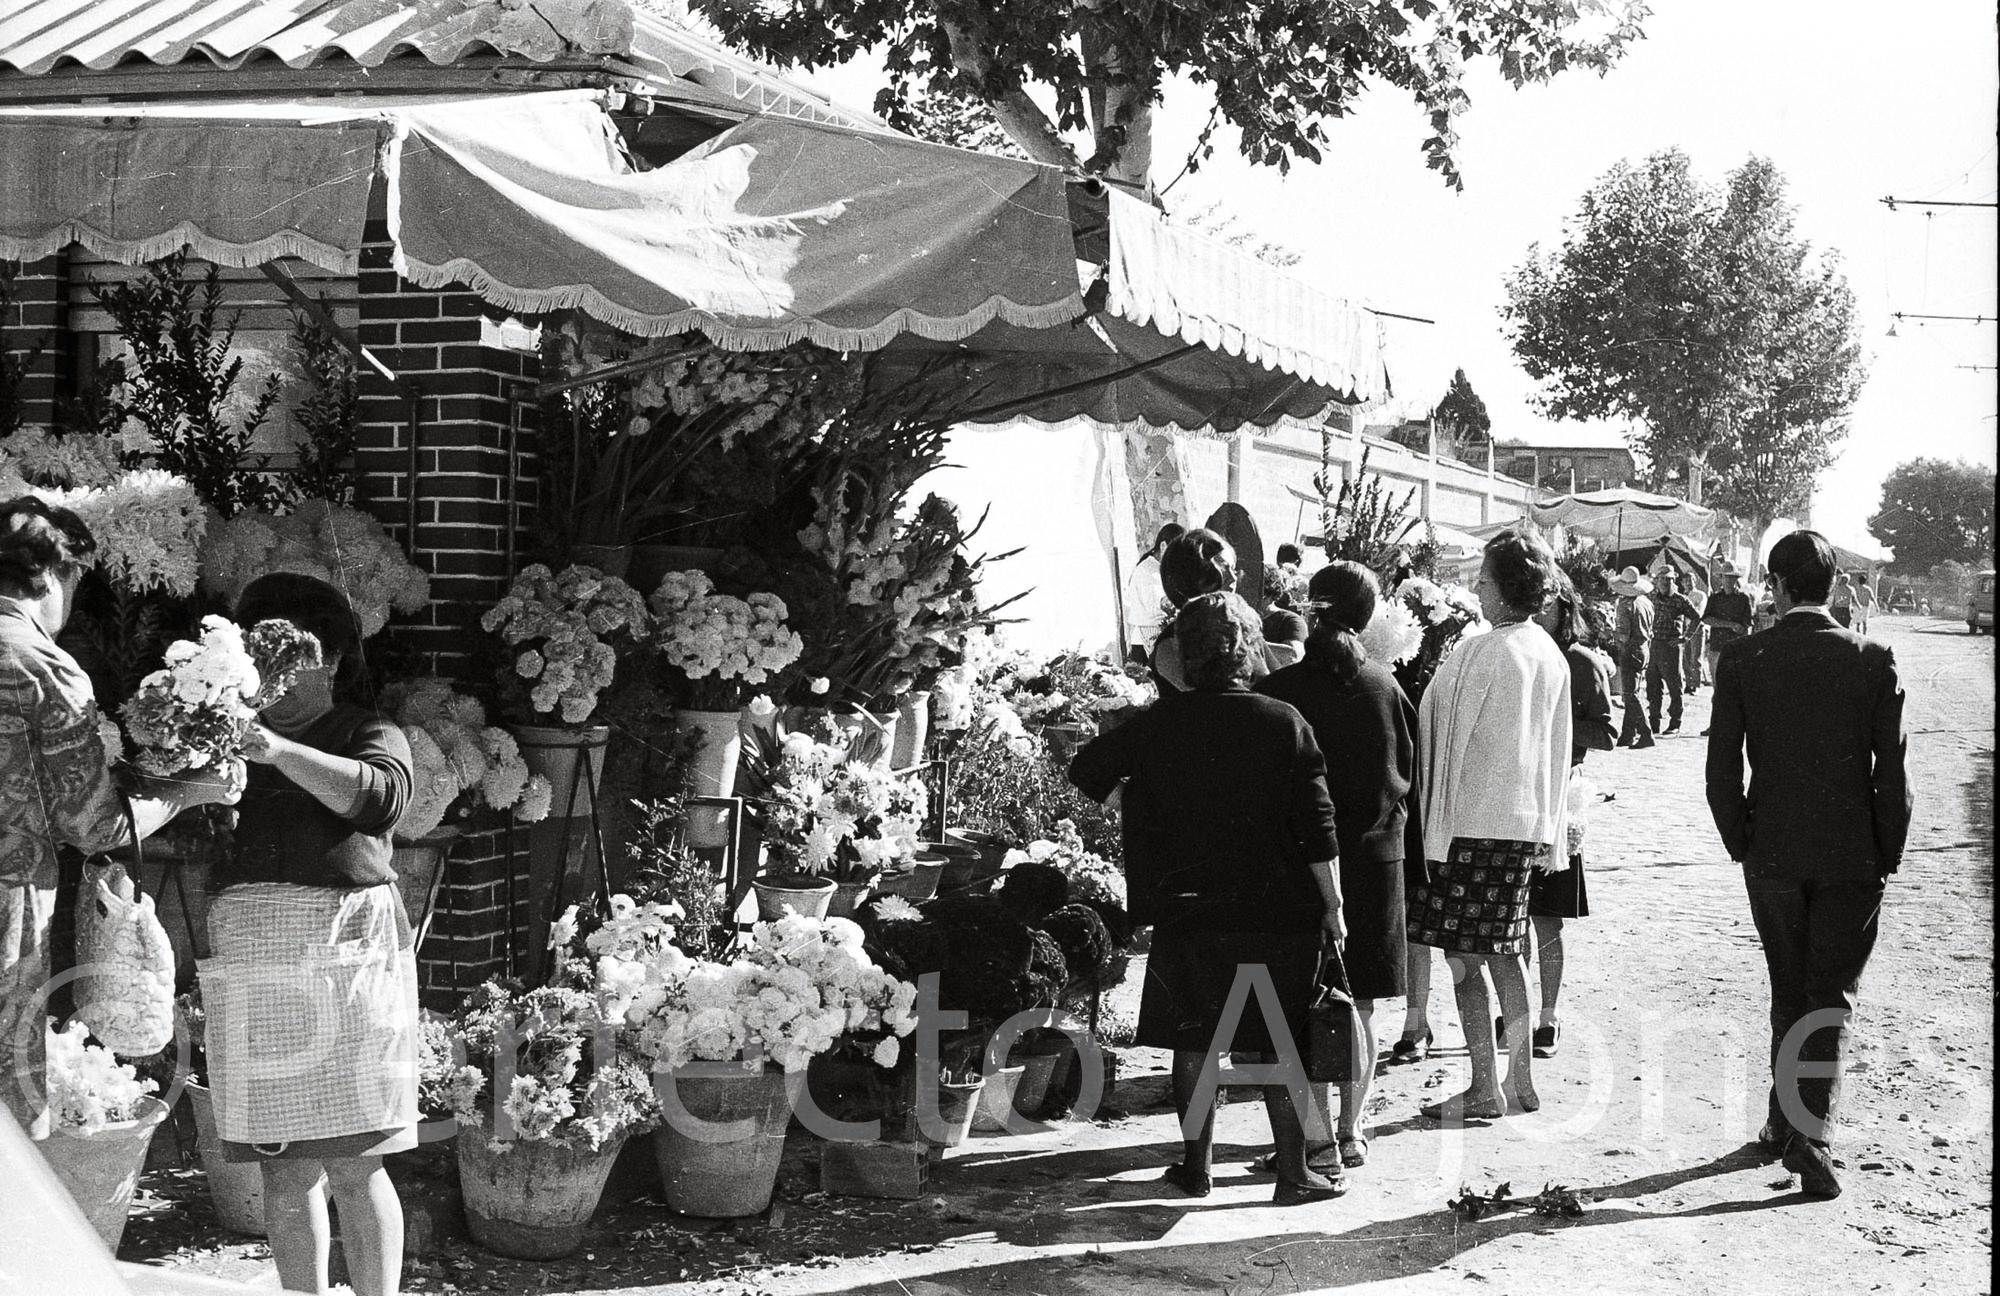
1333	1036
125	963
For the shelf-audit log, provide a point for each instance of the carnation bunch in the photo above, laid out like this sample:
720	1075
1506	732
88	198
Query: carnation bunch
717	643
192	713
459	762
827	815
88	1086
343	546
563	629
280	651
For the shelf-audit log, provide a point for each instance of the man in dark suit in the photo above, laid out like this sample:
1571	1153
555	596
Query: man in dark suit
1818	833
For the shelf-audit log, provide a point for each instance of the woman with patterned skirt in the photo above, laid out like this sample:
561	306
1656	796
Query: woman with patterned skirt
1493	743
310	988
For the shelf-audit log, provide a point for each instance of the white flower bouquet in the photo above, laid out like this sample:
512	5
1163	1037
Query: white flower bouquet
1091	877
563	629
574	1080
1393	634
827	815
88	1086
460	763
719	644
193	712
343	546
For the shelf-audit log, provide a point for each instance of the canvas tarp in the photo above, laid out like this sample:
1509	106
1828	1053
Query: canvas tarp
1624	517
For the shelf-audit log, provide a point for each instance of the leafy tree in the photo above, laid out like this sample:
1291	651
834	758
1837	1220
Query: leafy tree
1461	412
1280	70
1936	511
1694	311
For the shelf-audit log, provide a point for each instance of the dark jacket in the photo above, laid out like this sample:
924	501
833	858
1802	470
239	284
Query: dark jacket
1820	711
1366	729
285	834
1225	807
1590	724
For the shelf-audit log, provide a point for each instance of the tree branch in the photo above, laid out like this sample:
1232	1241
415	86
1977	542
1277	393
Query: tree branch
1018	114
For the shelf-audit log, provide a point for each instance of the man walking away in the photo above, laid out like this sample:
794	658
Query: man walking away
1818	833
1672	614
1634	642
1727	616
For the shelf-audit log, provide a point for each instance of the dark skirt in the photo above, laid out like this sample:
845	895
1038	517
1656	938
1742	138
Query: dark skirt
1371	900
1190	969
1476	901
1559	895
339	1147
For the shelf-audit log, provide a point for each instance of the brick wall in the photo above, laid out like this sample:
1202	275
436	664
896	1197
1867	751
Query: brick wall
37	318
458	390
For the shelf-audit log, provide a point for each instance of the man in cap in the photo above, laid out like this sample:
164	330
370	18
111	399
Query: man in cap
1634	641
1728	614
1672	615
1818	833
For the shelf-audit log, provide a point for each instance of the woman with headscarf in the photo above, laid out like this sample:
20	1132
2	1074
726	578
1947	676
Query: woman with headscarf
57	789
1493	744
1366	728
1231	856
312	1011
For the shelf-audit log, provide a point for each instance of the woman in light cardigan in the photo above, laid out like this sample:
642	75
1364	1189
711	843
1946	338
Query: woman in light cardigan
1493	743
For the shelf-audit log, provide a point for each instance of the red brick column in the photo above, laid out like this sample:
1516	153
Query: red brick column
457	391
37	321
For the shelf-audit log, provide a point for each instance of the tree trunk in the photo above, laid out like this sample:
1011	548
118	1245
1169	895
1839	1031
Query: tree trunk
1697	470
1018	114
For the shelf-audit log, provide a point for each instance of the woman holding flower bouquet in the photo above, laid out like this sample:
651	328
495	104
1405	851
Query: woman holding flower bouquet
311	988
58	788
1230	850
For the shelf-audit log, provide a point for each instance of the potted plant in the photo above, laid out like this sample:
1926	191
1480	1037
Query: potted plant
829	818
564	634
714	648
102	1118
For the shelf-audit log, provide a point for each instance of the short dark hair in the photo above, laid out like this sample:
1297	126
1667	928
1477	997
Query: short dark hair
1284	626
1289	553
308	603
39	540
1524	567
1572	623
1344	595
1196	562
1804	562
1220	640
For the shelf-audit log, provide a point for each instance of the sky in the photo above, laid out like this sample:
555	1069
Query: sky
1850	101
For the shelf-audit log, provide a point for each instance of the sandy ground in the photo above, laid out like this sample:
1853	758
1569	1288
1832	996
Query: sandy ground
1649	1112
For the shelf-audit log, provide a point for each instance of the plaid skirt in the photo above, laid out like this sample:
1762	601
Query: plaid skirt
311	997
1476	899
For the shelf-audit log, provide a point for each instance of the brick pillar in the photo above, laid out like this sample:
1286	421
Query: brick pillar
37	319
457	390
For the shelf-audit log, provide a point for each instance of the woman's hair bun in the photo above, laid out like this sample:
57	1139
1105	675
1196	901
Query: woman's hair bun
39	540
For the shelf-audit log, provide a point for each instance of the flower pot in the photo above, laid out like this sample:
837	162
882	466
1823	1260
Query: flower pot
650	562
957	1105
719	1152
417	864
996	1100
612	560
713	772
1063	740
236	1188
960	863
913	729
554	752
1037	1071
848	897
792	894
991	848
101	1168
533	1199
917	883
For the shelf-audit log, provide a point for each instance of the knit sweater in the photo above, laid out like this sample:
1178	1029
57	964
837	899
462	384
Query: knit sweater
1493	741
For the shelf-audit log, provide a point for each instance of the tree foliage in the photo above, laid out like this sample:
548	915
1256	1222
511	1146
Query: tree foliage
1695	311
1935	511
1461	413
1280	70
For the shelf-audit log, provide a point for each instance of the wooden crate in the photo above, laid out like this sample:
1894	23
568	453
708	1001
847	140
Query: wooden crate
878	1168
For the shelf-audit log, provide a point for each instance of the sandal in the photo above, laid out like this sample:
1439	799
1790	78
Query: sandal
1406	1051
1354	1151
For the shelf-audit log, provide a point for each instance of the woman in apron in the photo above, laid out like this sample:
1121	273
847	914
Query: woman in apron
311	983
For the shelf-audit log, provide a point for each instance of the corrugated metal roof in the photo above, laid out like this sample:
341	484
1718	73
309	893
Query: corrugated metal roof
38	36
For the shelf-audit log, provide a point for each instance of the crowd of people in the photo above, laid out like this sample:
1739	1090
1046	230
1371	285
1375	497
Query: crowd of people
1296	821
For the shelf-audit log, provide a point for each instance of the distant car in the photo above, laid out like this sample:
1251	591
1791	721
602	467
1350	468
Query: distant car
1979	612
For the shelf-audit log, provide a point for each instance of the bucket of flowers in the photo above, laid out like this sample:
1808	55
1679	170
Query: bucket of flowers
102	1119
564	635
832	825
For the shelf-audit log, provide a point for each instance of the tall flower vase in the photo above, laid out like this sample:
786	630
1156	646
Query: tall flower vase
101	1169
555	754
561	849
235	1188
723	1135
533	1198
419	867
714	770
913	729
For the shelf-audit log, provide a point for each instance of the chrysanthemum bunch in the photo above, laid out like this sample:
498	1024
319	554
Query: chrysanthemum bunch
88	1087
342	546
148	525
564	629
192	713
1393	634
61	459
718	642
828	815
460	762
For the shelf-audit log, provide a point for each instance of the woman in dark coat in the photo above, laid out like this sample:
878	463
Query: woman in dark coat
1194	563
1552	897
1365	726
1230	854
